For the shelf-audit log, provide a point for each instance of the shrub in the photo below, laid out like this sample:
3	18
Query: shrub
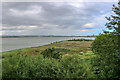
72	66
25	66
51	53
33	67
105	43
16	66
106	64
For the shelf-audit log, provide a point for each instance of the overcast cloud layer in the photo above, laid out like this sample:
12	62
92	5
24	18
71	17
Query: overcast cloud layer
50	18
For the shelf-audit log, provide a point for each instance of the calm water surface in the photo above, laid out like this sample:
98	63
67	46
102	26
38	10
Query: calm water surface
17	43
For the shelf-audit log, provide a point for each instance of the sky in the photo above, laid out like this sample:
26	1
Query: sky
55	18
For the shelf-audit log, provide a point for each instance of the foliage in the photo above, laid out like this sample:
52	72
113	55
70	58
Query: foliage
106	64
32	67
51	53
114	21
106	47
24	66
72	66
105	44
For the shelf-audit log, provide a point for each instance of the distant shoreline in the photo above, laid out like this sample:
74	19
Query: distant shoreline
40	36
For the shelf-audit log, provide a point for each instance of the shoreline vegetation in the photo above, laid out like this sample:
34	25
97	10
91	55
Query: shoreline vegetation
64	59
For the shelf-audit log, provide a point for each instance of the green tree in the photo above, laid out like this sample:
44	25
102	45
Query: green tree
107	48
114	20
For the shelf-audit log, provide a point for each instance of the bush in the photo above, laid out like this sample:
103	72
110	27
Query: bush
51	53
72	66
25	66
33	67
105	43
106	64
16	66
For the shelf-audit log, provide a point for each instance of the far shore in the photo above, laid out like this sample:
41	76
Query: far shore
40	36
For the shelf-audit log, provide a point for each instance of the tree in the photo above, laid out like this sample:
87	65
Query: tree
107	48
114	21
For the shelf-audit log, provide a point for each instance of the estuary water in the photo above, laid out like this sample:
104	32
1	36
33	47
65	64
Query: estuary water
8	44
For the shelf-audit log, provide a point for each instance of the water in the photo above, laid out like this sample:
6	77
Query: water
8	44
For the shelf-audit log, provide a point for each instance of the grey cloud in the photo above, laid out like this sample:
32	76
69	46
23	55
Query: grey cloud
64	16
11	29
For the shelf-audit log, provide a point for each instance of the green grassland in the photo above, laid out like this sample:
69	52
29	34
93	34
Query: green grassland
64	59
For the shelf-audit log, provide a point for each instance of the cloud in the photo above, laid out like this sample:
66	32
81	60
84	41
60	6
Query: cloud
52	18
34	10
18	28
83	30
89	25
59	1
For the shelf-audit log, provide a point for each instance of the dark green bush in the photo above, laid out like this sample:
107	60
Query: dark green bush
51	53
105	43
106	63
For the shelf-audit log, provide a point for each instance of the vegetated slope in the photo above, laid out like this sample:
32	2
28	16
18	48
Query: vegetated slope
65	59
